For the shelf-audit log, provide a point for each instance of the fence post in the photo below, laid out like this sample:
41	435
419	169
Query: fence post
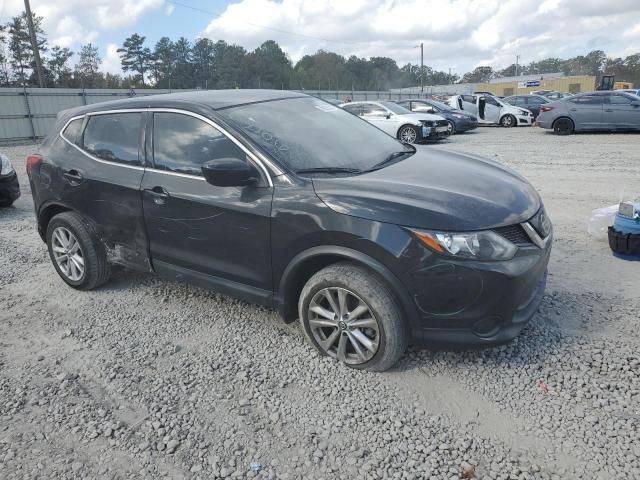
84	96
26	102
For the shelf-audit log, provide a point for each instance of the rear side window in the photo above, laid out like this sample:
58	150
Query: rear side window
536	101
73	131
182	144
587	100
114	137
353	108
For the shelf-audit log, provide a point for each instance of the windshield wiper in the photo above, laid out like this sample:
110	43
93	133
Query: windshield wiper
392	157
329	170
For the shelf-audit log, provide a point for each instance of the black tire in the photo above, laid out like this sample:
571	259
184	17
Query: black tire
393	333
411	132
96	267
508	121
563	126
6	203
452	127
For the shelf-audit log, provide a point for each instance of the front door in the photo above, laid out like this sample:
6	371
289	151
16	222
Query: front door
492	110
378	116
217	236
620	111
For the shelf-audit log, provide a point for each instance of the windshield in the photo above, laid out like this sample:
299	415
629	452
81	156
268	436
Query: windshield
440	105
307	133
395	108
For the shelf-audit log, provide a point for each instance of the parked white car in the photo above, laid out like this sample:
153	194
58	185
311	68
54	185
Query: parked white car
405	125
491	110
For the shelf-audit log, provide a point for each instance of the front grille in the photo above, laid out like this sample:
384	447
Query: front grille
427	123
515	234
442	123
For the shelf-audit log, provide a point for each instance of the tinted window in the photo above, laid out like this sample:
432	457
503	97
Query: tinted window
422	107
536	101
114	137
182	144
395	108
353	108
73	131
373	110
492	101
469	98
516	100
306	133
587	100
620	100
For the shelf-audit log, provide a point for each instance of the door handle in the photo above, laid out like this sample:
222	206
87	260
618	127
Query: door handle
159	195
73	177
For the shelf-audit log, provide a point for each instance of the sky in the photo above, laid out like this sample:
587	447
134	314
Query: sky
457	34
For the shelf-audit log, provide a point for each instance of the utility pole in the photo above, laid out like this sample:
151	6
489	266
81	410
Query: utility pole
517	59
34	43
421	67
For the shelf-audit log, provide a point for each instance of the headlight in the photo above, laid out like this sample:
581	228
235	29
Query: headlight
484	245
5	168
457	115
427	123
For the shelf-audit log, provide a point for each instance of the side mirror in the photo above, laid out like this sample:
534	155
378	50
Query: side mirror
388	116
230	172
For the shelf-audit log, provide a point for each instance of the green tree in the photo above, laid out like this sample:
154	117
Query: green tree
4	63
267	67
135	57
58	66
163	62
229	65
479	75
88	66
204	55
183	75
21	52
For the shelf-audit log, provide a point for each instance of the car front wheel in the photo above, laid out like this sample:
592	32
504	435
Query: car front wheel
75	251
408	134
508	121
451	128
348	313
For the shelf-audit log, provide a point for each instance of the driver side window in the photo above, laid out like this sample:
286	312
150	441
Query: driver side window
182	144
491	101
372	110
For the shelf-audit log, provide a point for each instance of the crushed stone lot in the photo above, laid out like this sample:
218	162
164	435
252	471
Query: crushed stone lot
147	378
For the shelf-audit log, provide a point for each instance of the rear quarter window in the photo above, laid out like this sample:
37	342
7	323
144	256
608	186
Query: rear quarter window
73	131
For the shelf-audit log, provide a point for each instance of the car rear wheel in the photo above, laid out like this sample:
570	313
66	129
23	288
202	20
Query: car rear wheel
408	134
451	128
349	314
508	121
563	126
76	252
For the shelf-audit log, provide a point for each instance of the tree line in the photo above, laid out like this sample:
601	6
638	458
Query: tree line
205	64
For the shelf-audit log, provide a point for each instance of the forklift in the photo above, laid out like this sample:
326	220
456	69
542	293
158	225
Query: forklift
606	82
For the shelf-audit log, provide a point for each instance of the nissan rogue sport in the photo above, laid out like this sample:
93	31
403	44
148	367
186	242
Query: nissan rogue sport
287	201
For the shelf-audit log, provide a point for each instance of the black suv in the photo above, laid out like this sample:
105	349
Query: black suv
285	200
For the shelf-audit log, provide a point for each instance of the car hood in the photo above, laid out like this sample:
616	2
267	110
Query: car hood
438	190
416	117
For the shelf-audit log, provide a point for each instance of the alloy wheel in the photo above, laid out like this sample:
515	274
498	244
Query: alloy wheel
343	325
67	254
507	121
408	135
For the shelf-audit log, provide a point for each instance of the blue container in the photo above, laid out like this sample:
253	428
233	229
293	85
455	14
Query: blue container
627	225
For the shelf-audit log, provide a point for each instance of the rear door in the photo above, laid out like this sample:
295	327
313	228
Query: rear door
620	111
492	109
101	174
216	236
586	111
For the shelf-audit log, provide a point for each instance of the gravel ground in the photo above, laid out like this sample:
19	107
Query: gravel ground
145	378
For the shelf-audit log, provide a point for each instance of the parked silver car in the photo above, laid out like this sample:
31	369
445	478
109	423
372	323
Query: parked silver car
605	110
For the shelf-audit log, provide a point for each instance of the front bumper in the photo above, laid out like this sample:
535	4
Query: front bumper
473	303
525	121
9	188
434	133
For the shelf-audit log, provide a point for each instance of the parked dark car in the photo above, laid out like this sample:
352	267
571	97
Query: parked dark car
605	110
287	201
458	120
530	102
9	186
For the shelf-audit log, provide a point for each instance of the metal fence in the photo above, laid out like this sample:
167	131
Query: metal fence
29	113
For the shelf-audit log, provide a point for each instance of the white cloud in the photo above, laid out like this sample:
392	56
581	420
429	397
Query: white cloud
457	33
168	10
111	61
